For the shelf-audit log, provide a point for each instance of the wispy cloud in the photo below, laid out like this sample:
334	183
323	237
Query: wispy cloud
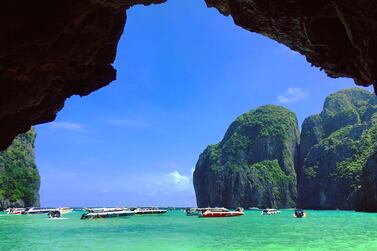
173	182
292	95
128	123
176	181
67	126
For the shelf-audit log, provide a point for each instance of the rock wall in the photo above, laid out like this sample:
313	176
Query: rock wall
19	177
335	147
368	192
339	35
51	50
254	164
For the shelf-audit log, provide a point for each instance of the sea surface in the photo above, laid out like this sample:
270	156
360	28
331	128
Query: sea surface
321	230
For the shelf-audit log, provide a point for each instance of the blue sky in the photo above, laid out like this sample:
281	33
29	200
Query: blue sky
185	72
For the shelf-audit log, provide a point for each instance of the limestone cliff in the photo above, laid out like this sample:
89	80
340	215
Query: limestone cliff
335	147
51	50
254	164
19	177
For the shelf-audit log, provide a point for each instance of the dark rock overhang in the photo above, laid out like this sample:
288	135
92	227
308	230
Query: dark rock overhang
339	36
51	50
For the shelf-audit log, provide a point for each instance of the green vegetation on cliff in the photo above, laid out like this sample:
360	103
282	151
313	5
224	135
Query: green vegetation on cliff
335	146
254	164
19	177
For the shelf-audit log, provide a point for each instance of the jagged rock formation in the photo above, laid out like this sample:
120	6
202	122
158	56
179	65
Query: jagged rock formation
19	177
254	164
368	191
51	50
339	35
335	147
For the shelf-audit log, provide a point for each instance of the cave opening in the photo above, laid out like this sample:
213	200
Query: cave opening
172	97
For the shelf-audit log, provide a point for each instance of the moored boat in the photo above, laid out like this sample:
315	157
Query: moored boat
37	210
270	211
109	213
149	210
220	212
299	213
58	212
54	214
15	210
195	211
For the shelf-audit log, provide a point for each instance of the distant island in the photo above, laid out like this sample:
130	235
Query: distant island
19	176
264	161
254	165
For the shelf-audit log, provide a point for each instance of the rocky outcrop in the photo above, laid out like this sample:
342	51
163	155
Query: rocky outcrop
254	164
368	191
335	147
51	50
339	35
19	177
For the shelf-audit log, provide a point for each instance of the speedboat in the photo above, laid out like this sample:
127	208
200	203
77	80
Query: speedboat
195	211
64	210
37	210
254	208
110	213
58	212
15	210
149	210
220	212
54	214
299	213
270	211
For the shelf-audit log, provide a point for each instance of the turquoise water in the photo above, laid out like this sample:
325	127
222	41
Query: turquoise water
321	230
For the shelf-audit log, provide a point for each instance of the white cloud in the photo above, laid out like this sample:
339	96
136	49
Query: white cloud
127	123
67	126
169	183
177	181
293	95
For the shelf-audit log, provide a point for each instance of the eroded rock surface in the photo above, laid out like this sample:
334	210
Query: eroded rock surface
254	164
339	35
51	50
335	153
19	176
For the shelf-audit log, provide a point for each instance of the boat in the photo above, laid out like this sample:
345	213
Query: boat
220	212
54	214
254	208
37	210
58	212
270	211
64	210
195	211
299	213
109	213
149	210
15	210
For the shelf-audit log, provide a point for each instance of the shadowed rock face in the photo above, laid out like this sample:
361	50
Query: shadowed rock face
339	35
51	50
336	168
